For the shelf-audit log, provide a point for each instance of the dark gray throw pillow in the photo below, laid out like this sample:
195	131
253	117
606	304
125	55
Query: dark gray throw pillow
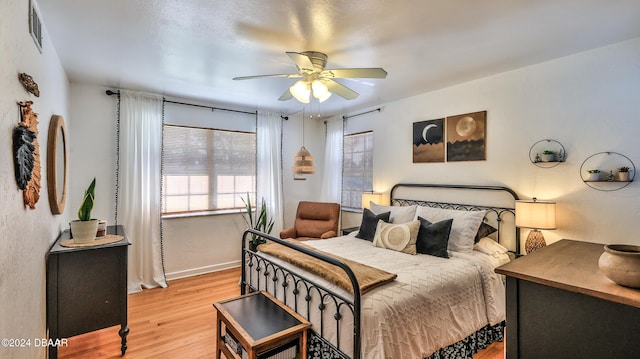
433	238
369	223
484	231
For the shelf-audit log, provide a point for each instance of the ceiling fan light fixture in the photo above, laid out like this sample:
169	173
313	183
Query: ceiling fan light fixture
319	89
301	91
324	98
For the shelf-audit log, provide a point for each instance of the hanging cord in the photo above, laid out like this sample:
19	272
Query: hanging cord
117	189
164	273
303	114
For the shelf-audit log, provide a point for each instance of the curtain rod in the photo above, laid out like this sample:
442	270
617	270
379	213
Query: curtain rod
110	93
363	113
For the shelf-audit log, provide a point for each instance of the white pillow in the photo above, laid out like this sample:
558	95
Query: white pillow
488	246
463	230
399	214
398	237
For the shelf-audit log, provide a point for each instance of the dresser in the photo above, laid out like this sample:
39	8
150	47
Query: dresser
87	288
560	305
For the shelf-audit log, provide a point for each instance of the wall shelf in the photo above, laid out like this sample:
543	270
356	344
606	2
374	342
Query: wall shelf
608	164
537	157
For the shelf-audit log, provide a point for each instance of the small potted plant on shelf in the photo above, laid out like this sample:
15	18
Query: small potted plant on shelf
257	220
594	175
84	229
623	174
548	156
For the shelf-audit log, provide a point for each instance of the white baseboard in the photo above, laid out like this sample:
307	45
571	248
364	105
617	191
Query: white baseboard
202	270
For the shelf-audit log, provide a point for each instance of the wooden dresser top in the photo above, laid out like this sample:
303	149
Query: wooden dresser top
572	266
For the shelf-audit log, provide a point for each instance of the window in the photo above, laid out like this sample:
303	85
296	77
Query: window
207	169
357	168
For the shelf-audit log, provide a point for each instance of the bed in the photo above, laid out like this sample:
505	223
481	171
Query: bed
433	308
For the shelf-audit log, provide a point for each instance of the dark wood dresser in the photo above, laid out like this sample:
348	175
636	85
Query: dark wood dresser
87	288
560	305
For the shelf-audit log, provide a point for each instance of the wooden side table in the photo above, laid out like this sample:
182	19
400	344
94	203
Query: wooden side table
259	325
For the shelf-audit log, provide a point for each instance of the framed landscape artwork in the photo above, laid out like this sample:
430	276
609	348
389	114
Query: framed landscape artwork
428	141
466	137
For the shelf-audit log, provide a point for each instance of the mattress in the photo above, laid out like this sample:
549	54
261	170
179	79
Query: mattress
434	302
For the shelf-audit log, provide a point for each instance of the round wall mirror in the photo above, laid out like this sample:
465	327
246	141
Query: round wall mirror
57	164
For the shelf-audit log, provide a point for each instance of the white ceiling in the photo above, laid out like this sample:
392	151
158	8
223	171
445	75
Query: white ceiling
193	48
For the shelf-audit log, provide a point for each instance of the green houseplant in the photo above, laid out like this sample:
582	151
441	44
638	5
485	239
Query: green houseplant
548	156
258	220
84	228
594	175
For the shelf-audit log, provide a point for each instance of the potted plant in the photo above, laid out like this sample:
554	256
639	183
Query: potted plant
623	174
548	156
594	175
257	220
84	229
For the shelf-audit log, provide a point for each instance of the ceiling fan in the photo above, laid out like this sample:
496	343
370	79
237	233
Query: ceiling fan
318	81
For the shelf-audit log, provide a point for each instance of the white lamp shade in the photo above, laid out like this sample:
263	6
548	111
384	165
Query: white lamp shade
301	91
536	214
320	90
368	197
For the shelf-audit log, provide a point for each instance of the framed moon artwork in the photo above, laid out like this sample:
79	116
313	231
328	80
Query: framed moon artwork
428	141
466	137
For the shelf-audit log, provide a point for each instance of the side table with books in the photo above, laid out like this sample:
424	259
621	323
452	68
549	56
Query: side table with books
258	326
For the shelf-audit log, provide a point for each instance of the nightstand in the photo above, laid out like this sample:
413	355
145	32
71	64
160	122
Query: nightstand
258	326
346	231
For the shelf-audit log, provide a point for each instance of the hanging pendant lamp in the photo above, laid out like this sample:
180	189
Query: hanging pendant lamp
303	161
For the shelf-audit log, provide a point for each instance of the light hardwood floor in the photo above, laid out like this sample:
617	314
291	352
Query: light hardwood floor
176	322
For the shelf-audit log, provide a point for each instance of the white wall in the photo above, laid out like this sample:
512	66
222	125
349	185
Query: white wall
310	188
590	102
93	149
25	234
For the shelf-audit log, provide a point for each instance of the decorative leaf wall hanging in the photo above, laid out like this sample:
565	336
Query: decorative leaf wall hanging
27	128
23	151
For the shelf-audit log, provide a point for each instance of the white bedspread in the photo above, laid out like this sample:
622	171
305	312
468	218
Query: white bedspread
433	303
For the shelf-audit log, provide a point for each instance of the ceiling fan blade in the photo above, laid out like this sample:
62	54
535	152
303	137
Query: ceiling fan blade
340	90
286	96
370	73
290	76
302	61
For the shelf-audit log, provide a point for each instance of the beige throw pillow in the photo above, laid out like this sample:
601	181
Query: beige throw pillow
398	237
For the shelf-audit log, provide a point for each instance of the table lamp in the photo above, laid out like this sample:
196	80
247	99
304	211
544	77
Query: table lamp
536	215
368	197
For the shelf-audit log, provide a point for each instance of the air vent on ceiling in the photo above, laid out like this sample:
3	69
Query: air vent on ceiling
35	24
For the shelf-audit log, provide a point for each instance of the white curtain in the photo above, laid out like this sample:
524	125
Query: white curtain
139	186
332	173
269	166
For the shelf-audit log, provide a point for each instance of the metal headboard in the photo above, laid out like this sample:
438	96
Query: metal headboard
499	211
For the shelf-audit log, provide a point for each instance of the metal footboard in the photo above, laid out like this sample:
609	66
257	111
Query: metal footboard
315	302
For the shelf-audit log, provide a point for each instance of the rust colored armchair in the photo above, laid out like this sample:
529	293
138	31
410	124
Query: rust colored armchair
314	220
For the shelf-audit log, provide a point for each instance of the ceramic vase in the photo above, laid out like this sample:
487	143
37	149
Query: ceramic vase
621	264
593	176
548	157
623	176
83	231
